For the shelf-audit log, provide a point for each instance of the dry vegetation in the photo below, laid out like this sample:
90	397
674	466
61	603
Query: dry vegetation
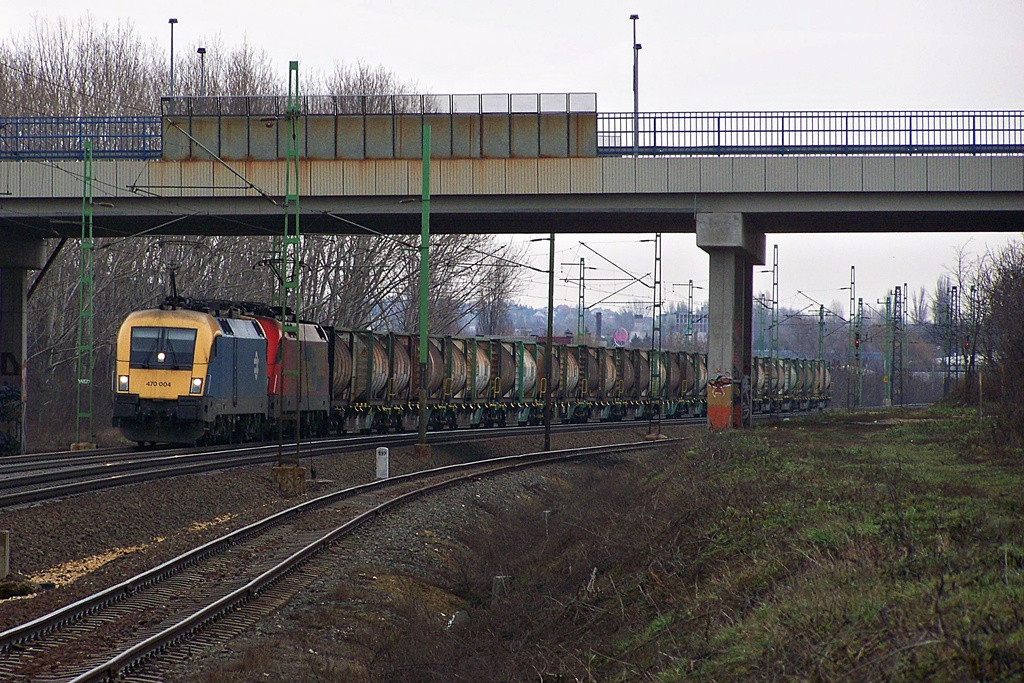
854	547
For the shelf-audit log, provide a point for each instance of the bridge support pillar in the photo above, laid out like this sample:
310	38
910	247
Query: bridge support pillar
734	249
17	257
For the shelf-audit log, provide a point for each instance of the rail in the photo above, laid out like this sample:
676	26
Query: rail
661	134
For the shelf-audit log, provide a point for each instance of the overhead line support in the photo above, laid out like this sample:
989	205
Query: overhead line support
84	429
656	365
421	446
290	255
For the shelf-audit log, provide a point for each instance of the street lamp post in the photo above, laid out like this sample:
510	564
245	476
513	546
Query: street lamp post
202	71
172	22
636	88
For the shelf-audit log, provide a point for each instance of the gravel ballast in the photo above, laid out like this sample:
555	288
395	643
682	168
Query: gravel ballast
85	543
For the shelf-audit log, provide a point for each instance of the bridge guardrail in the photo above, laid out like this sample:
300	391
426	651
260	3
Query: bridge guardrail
811	133
61	137
659	134
360	105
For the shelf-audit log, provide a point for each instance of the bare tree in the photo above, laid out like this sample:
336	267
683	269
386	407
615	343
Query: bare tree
247	71
919	307
366	89
79	68
1004	301
497	284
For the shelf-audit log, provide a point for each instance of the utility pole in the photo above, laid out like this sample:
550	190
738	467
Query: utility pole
84	432
887	355
636	89
898	330
689	317
656	365
581	308
858	320
291	478
821	332
954	325
761	312
950	348
905	362
422	449
854	351
201	51
172	22
773	332
549	348
970	340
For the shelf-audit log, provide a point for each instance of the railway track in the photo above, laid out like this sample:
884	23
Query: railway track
36	478
137	627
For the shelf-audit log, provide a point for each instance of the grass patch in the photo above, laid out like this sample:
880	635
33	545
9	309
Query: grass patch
848	547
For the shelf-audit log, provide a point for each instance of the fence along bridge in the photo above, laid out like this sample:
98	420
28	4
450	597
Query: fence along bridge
616	134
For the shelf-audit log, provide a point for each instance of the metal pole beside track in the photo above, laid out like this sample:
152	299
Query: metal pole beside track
548	360
422	449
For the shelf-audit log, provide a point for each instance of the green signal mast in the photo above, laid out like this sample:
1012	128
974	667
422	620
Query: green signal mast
657	381
84	433
291	259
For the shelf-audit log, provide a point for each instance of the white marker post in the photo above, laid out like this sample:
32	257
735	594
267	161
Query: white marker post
382	463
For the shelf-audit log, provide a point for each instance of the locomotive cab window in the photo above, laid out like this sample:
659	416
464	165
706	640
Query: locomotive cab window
169	348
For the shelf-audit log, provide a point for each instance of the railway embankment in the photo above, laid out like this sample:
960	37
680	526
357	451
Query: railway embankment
860	546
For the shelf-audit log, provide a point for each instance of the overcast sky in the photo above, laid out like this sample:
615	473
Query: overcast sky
696	56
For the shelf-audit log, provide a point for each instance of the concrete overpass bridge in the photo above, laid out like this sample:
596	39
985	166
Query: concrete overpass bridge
513	164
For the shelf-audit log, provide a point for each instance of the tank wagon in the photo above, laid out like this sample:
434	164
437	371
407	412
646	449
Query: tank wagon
212	371
784	385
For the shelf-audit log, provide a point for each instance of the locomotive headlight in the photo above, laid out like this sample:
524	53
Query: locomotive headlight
122	383
197	386
161	356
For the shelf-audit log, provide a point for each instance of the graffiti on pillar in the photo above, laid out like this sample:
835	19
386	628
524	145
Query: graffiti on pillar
9	365
719	384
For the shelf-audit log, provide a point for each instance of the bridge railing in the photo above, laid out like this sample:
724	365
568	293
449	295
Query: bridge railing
61	137
660	134
795	133
343	105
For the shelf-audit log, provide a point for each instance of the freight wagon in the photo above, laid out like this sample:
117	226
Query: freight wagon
213	371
